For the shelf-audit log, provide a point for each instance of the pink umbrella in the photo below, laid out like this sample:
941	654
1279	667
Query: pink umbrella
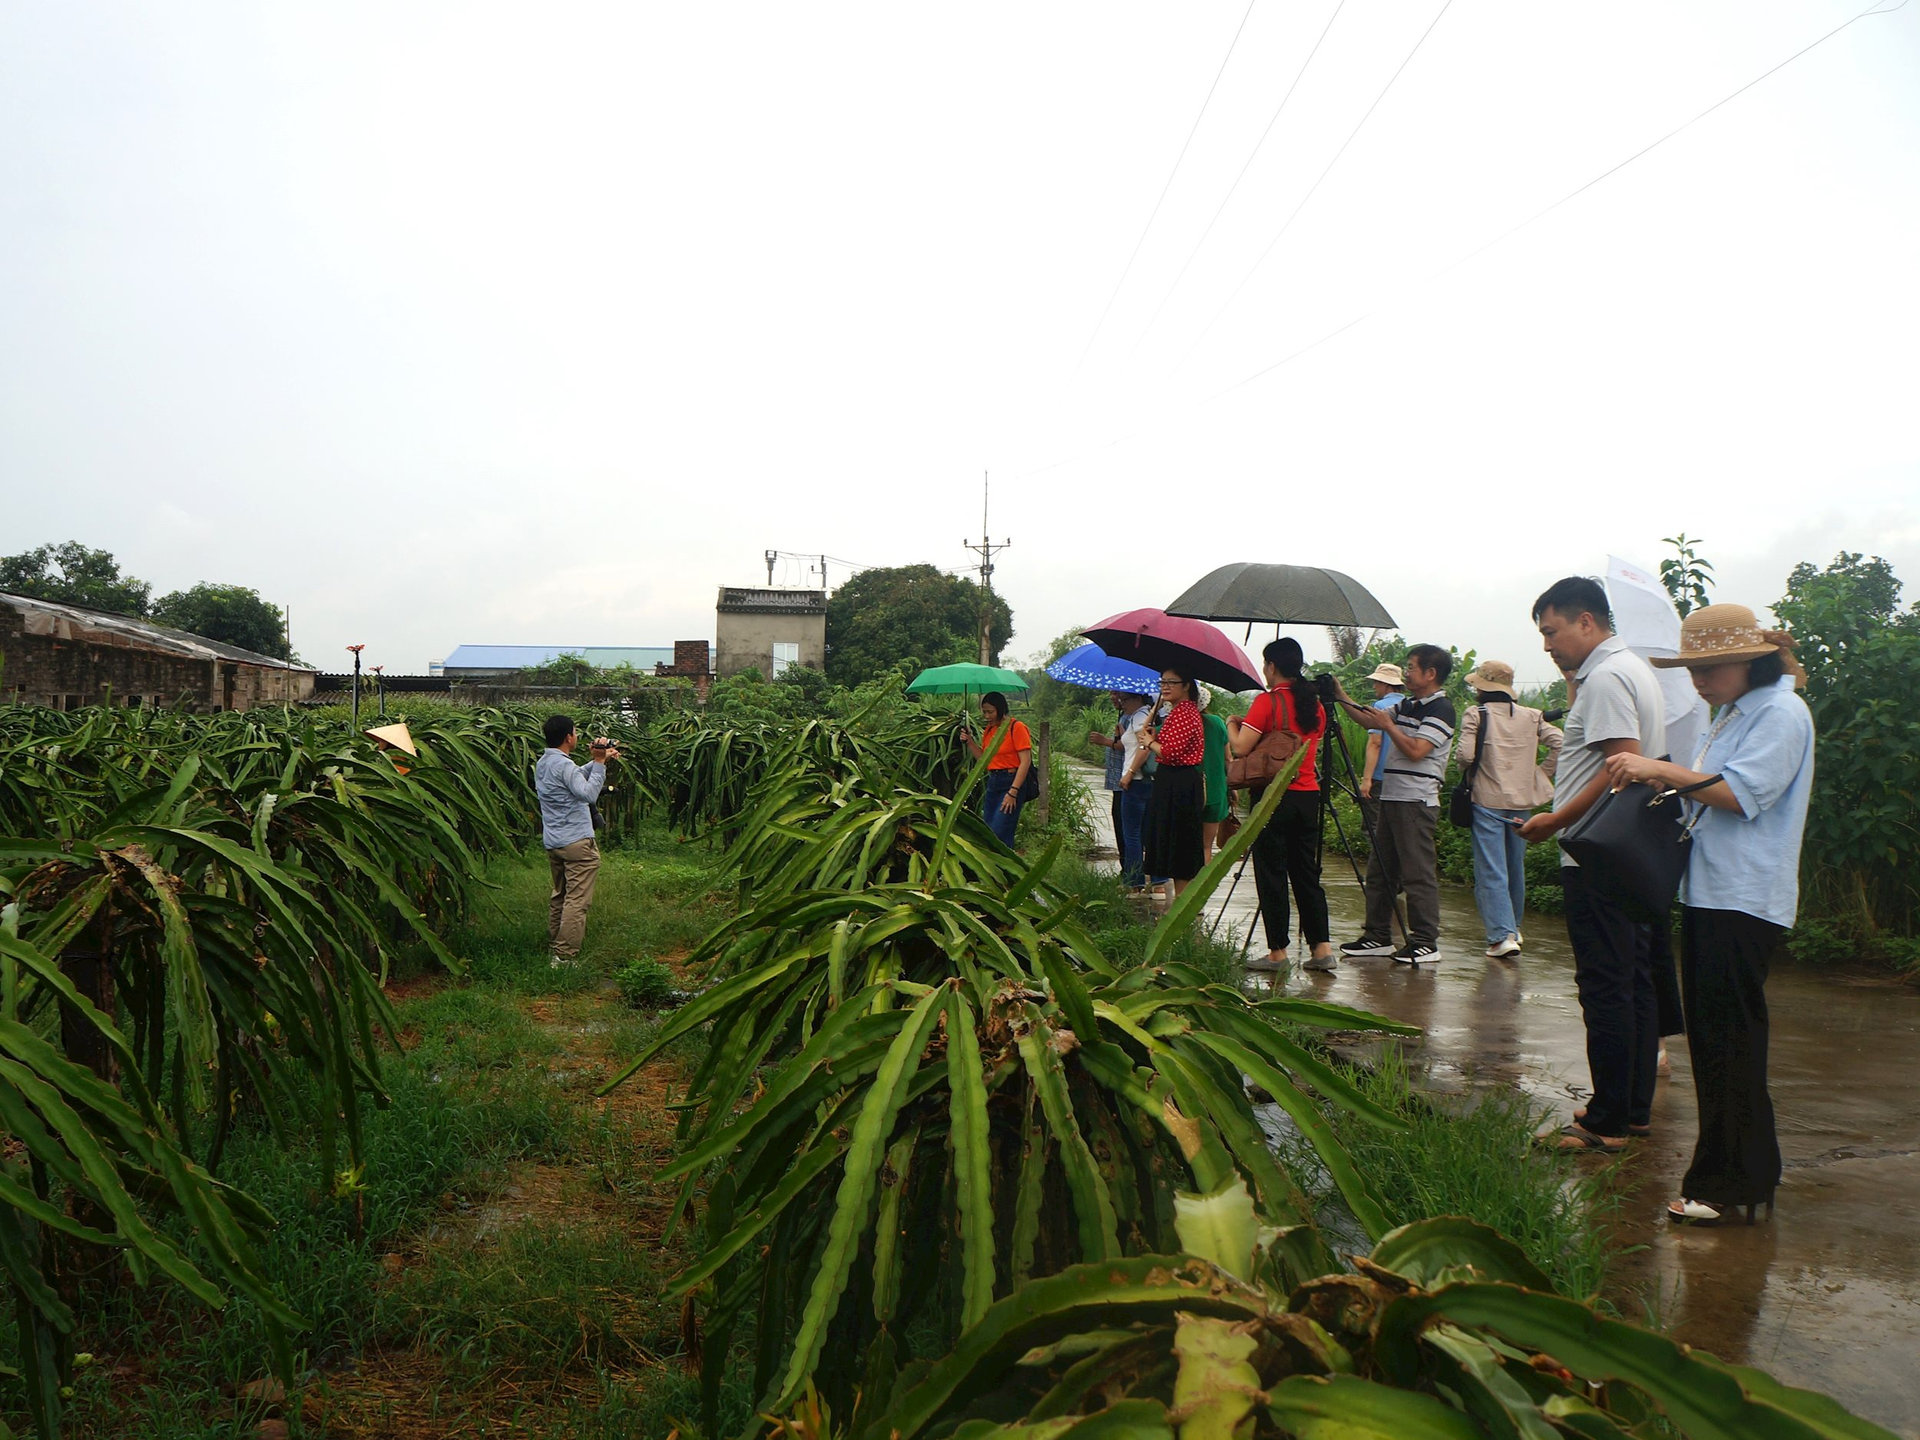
1159	640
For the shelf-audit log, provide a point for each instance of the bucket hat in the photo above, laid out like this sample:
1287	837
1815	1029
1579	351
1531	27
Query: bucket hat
1388	675
1491	675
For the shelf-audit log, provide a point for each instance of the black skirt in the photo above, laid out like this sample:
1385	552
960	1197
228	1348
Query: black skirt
1173	844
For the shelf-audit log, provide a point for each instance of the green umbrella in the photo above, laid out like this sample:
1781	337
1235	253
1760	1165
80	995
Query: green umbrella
966	680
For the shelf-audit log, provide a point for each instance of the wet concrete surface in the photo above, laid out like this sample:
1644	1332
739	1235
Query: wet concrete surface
1827	1294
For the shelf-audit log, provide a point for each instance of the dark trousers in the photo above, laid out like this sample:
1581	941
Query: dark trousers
1613	972
1289	849
1724	956
1119	830
1404	858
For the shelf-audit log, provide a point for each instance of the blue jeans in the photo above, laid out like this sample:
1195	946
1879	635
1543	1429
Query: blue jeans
1003	823
1499	871
1133	827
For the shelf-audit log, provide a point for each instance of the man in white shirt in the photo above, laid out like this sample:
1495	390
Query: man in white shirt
1619	709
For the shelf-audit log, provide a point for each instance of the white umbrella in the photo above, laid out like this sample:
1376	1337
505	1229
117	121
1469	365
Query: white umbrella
1644	617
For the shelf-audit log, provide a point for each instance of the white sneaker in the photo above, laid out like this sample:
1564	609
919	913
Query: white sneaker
1500	950
559	962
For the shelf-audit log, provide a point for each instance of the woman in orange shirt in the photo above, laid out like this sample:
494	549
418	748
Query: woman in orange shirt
1007	771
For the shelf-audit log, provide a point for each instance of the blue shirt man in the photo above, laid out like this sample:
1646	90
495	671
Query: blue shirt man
566	793
1387	680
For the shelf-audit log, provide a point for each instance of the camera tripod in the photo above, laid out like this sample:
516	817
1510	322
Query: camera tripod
1337	773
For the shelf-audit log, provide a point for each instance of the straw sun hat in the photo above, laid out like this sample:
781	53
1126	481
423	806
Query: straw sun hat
1722	634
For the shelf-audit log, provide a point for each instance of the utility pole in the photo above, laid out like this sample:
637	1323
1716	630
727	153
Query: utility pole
985	550
822	568
356	649
772	555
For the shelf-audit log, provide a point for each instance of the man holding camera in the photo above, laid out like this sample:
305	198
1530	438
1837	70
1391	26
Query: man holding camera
566	792
1406	857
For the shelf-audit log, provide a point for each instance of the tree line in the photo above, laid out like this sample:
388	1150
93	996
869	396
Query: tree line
75	574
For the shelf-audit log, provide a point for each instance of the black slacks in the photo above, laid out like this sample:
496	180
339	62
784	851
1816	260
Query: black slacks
1289	850
1613	973
1724	957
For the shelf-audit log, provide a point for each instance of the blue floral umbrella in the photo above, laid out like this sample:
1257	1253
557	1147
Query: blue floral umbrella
1092	667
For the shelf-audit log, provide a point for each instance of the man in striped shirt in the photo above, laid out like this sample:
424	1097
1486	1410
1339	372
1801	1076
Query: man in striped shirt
1419	738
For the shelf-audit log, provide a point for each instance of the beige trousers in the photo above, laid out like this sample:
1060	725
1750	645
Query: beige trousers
574	867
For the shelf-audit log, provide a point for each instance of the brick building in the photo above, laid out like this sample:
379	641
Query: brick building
67	656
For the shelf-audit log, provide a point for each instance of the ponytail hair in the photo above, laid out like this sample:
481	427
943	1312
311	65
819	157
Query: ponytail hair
1286	656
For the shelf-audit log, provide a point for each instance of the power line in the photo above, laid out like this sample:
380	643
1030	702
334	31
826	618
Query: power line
1874	10
1577	191
1128	268
1252	155
1314	188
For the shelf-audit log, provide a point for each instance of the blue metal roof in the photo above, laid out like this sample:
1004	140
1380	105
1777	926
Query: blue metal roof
515	657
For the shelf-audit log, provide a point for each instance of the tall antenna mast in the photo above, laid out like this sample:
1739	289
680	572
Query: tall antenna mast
985	550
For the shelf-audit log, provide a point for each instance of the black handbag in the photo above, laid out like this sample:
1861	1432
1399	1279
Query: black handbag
1460	801
1633	846
1030	787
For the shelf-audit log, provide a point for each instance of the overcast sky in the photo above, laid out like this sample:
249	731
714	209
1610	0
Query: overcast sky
468	323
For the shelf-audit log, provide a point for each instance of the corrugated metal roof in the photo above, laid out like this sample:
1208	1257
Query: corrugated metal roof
517	657
78	623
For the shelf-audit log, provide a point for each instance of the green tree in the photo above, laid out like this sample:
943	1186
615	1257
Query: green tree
881	617
1686	576
231	614
73	574
1862	654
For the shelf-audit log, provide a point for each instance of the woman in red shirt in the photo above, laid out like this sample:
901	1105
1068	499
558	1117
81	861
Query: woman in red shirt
1173	834
1007	771
1288	849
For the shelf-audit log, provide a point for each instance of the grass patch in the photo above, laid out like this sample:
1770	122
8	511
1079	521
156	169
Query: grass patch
1480	1163
547	1292
653	899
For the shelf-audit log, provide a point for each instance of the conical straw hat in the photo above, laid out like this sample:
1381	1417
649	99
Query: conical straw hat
397	736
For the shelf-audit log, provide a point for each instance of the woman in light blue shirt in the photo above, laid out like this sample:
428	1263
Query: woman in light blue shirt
1739	895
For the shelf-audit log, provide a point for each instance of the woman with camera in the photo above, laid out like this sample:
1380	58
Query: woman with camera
1739	894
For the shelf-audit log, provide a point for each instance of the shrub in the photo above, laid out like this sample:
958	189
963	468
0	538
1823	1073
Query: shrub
646	984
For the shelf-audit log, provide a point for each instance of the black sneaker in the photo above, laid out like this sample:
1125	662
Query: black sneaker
1363	947
1417	955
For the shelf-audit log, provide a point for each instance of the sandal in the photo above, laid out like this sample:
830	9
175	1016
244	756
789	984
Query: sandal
1701	1212
1578	1137
1634	1132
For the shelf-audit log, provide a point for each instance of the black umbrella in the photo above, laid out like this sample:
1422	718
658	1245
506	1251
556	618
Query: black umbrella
1283	595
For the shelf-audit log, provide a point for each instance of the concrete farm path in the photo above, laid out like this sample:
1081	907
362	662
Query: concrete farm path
1827	1295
